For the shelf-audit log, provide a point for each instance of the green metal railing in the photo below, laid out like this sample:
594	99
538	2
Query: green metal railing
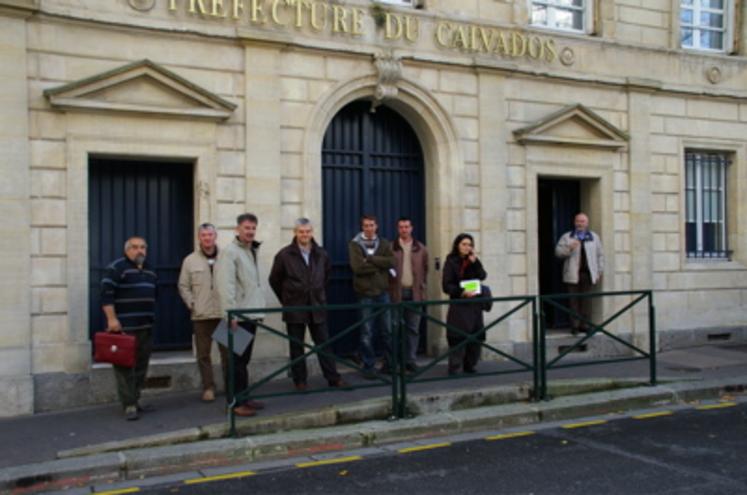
476	337
399	379
554	300
246	315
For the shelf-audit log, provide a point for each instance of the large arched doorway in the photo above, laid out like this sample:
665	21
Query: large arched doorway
372	162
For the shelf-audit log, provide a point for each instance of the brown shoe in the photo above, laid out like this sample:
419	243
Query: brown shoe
244	410
301	387
339	383
255	404
208	395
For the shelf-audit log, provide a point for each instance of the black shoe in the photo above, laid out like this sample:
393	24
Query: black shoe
145	408
471	371
385	370
131	413
411	367
453	371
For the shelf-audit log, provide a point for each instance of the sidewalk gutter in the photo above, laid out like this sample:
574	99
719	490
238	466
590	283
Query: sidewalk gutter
161	460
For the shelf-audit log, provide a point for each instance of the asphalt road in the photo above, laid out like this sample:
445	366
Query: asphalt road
685	451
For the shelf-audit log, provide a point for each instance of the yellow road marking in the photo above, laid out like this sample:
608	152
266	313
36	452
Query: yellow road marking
229	476
424	447
132	489
722	405
336	460
571	426
506	436
653	415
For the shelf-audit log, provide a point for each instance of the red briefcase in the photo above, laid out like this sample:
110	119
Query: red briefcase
114	348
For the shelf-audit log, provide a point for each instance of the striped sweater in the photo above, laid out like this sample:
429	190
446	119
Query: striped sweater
132	291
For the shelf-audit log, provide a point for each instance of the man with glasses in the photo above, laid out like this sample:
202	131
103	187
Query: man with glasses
583	267
199	292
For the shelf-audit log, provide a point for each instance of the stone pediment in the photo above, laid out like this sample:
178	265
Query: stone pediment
141	87
574	125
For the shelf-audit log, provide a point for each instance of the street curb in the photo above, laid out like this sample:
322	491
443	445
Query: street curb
143	462
356	412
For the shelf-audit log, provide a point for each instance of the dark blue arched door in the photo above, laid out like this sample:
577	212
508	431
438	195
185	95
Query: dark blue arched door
372	162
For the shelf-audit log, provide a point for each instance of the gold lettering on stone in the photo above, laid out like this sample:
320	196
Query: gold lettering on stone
339	22
257	12
357	21
274	13
237	9
314	17
442	34
412	28
392	26
197	7
217	8
518	44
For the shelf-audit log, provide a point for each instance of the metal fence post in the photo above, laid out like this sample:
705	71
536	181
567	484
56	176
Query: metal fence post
231	392
394	318
535	351
652	336
402	351
542	350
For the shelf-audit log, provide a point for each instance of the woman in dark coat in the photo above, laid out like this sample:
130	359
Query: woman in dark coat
462	264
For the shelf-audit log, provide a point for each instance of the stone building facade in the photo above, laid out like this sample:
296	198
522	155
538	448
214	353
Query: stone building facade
641	105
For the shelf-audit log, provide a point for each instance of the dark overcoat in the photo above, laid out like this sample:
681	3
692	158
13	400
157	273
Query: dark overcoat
466	316
297	284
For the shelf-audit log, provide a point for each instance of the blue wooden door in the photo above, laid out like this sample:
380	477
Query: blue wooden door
153	200
371	163
558	202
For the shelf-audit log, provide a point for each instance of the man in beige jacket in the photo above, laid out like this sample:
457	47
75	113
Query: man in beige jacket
583	268
200	293
240	288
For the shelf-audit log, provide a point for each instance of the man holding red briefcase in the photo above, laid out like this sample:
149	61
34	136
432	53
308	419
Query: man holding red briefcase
128	299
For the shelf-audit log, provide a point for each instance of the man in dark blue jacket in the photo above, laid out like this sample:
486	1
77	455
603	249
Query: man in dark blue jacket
128	299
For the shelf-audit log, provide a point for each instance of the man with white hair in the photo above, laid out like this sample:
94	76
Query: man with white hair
128	299
299	277
583	267
199	291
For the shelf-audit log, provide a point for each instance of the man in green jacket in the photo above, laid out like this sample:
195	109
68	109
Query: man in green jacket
372	262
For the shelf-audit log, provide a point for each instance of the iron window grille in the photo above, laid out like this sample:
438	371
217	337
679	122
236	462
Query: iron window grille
705	204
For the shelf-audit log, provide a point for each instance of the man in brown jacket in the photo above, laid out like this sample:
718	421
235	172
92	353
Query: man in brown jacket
299	277
199	292
409	284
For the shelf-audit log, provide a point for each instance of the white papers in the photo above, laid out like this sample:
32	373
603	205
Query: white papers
471	286
241	338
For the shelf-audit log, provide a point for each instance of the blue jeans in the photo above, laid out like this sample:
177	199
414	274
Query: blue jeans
412	327
378	327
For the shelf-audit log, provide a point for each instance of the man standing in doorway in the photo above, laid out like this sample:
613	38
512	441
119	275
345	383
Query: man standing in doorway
199	292
299	277
583	267
239	288
409	284
371	260
128	299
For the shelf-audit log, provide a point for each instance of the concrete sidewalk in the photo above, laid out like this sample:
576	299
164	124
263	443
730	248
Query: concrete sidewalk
702	371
